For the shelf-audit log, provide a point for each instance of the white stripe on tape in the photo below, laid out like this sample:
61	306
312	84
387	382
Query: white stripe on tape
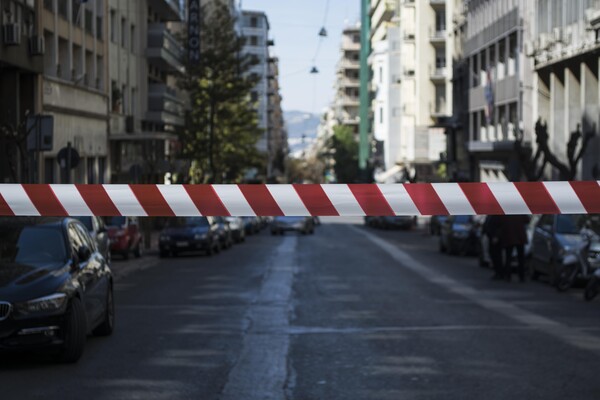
179	200
453	198
18	200
124	199
234	201
71	200
399	199
343	200
288	200
509	198
565	197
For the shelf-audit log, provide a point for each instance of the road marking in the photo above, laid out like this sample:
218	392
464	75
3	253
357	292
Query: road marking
569	335
261	370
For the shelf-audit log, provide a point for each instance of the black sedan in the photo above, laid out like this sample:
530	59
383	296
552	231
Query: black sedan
458	235
304	225
186	234
55	287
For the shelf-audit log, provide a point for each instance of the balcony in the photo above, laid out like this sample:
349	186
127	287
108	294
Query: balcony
164	105
437	74
164	50
437	36
438	109
169	10
349	83
437	3
349	101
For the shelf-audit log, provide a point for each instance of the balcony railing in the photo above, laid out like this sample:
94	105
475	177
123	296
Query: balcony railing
164	105
437	35
438	108
164	50
437	73
169	10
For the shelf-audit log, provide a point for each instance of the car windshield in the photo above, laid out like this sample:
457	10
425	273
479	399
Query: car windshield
116	221
569	224
189	222
31	244
87	222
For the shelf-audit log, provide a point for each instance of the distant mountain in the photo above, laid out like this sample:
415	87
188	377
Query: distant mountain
301	124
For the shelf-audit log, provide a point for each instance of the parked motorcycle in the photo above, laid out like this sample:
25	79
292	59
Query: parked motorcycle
593	287
578	261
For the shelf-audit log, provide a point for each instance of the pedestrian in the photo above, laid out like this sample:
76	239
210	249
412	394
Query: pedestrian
491	228
513	237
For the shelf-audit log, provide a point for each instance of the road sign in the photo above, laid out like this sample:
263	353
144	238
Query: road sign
68	158
40	132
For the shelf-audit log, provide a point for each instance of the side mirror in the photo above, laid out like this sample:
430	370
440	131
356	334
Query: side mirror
84	253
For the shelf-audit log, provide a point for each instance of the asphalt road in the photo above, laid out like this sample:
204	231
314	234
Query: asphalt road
349	313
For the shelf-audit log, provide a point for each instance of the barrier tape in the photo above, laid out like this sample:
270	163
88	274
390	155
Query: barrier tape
581	197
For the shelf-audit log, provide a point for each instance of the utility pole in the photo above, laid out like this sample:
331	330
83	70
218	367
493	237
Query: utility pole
365	76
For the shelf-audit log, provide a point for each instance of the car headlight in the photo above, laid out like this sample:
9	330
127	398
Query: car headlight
47	304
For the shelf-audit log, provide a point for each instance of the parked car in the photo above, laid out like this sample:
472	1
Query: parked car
555	237
236	224
435	224
125	236
251	225
397	222
458	235
484	243
185	234
224	232
55	286
97	229
304	225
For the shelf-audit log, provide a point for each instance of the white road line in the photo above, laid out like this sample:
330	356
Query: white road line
569	335
261	370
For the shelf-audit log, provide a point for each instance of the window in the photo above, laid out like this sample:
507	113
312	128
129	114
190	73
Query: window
356	38
254	22
440	21
254	96
381	115
113	26
49	170
123	32
132	41
253	41
91	170
101	169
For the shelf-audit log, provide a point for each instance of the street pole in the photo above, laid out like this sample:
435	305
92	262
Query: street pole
365	76
68	174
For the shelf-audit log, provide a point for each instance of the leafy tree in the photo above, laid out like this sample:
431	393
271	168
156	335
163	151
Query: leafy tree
345	156
222	125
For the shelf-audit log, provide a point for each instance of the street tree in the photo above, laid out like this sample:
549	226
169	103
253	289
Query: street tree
345	154
221	130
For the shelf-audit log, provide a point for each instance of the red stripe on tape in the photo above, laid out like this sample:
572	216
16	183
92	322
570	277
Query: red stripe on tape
261	200
537	198
206	200
98	201
315	200
44	200
371	200
5	210
589	195
481	198
426	199
152	200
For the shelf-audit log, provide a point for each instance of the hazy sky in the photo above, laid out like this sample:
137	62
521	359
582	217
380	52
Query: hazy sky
295	25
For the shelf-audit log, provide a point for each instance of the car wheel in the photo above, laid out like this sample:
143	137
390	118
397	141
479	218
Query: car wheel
75	333
138	251
107	326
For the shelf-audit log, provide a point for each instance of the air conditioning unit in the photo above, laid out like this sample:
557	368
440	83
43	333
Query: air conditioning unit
557	35
544	41
37	46
409	72
11	34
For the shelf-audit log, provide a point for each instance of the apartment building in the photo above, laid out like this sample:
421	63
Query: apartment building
146	109
347	85
564	44
411	47
255	29
499	89
21	68
74	89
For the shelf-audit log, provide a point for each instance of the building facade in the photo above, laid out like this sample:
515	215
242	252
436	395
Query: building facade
411	47
146	108
276	131
21	68
347	85
75	87
564	43
255	30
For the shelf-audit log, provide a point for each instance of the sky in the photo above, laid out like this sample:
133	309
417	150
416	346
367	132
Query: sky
295	26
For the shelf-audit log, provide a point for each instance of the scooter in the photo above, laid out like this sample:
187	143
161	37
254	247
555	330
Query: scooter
576	262
593	287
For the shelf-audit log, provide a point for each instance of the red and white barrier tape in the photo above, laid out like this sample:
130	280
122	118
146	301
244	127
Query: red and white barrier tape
301	200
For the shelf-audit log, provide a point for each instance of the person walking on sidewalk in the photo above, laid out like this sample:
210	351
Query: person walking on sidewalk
513	237
491	228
